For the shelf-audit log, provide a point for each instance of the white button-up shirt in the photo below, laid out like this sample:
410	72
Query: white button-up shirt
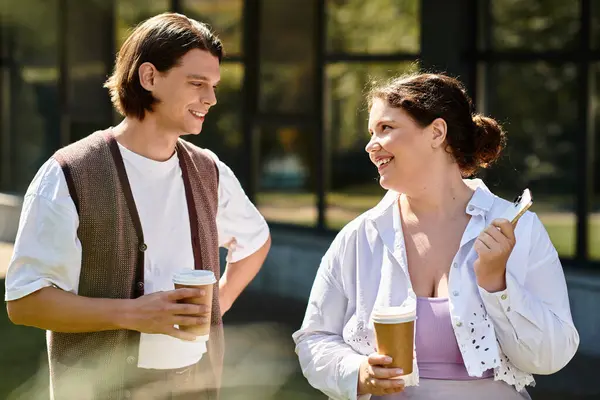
526	329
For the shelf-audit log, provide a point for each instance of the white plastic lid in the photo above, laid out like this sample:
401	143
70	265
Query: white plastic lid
393	315
194	277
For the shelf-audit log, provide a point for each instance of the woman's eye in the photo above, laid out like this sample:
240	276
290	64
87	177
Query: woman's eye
384	127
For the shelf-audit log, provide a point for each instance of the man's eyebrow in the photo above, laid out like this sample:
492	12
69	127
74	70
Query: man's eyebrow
198	77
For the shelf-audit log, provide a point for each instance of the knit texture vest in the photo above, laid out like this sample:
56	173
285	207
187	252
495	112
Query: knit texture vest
99	365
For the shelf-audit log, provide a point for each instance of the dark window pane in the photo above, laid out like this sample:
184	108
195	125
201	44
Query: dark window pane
353	184
89	62
594	220
222	131
287	174
596	24
287	56
537	104
374	26
5	74
534	24
5	138
30	115
224	17
129	13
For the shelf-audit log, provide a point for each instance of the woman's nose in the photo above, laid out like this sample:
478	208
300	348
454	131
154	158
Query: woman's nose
372	145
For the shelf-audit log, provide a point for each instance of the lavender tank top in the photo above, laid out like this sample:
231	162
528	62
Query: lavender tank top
438	355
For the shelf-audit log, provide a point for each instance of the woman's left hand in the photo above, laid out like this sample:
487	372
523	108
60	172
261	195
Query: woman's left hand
493	246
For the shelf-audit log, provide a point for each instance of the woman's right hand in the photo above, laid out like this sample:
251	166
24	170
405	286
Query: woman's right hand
374	378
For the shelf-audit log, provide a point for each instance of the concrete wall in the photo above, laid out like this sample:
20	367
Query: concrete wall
10	210
584	295
292	264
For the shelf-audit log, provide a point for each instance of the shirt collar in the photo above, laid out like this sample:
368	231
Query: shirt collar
385	216
147	166
482	200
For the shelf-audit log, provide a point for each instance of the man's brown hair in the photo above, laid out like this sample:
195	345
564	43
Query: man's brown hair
161	40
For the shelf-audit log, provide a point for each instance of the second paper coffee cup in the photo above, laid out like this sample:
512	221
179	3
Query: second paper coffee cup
395	335
197	279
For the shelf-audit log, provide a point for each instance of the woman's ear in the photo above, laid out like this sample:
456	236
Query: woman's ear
439	129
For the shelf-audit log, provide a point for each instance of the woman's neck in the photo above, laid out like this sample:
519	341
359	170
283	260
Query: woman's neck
443	198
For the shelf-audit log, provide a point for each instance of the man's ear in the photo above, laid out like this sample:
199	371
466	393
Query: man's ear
147	73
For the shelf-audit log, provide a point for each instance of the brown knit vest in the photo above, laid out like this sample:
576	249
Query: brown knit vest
99	365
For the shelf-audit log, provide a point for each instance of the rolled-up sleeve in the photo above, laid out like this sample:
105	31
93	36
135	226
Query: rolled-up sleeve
327	362
241	227
533	320
47	251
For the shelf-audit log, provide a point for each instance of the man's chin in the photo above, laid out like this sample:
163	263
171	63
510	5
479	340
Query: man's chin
192	131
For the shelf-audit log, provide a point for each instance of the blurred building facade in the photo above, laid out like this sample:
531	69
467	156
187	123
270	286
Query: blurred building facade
291	121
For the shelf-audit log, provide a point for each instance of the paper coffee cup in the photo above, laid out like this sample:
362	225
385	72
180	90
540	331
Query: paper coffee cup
194	278
395	335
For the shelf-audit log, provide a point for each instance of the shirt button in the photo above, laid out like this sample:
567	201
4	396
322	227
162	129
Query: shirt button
455	293
127	394
459	324
143	247
140	285
455	265
504	296
130	360
508	309
471	208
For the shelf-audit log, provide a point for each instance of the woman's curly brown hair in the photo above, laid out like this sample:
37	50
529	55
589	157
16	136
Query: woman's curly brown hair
475	141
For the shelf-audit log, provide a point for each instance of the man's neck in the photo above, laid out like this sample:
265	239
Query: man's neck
146	138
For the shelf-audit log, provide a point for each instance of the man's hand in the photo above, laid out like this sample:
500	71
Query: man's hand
374	378
159	312
493	246
239	274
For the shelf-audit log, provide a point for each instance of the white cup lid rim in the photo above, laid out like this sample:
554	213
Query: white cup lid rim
194	277
394	319
394	314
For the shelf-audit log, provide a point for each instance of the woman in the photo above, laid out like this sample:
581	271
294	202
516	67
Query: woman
492	303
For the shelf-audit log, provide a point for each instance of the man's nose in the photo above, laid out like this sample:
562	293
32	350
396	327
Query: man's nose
210	99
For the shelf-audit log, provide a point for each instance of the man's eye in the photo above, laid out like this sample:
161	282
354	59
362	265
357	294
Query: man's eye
197	84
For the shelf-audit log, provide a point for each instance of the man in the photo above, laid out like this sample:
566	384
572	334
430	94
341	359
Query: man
108	220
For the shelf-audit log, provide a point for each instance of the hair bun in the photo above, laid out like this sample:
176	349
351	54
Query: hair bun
490	139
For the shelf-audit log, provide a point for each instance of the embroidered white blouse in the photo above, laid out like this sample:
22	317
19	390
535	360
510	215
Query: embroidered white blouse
526	329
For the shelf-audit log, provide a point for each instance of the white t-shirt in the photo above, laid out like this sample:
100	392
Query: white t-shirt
47	250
